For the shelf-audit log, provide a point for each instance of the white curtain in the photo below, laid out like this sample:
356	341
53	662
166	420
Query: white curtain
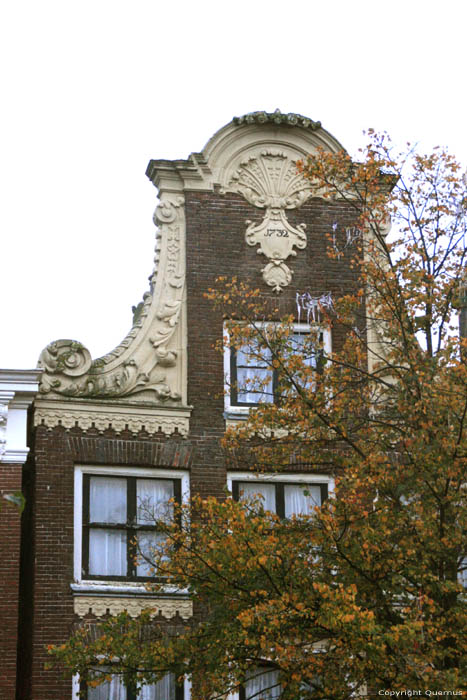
152	500
297	502
163	690
110	690
262	684
107	553
266	492
107	500
254	375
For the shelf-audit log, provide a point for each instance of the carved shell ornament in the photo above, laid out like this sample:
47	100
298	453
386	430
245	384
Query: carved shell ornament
271	181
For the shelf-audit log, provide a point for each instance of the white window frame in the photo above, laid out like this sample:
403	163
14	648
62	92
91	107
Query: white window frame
242	411
283	477
80	583
76	689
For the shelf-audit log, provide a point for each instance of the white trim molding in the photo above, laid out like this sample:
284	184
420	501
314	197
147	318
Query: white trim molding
18	388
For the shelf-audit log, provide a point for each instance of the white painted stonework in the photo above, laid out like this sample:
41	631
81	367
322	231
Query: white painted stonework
17	391
100	606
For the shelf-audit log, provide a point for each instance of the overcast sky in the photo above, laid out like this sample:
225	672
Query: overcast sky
91	90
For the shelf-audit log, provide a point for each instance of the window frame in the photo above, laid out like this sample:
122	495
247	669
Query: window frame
182	690
232	405
280	480
81	546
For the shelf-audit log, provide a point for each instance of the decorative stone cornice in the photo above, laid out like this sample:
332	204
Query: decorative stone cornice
100	606
17	391
103	415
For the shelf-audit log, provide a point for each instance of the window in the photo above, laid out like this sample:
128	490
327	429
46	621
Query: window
166	689
262	683
118	518
285	495
250	377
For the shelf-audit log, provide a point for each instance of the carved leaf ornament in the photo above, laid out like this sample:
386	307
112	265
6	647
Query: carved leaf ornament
271	181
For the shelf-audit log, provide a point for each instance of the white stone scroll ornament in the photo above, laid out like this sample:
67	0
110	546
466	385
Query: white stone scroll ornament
144	360
270	180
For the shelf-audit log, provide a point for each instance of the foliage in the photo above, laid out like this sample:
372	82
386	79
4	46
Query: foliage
16	498
364	592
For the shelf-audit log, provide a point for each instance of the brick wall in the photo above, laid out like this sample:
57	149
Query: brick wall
215	246
10	531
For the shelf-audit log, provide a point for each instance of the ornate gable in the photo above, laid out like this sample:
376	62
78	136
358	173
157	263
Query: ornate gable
142	382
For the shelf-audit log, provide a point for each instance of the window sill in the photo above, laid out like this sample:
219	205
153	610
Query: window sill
124	589
237	413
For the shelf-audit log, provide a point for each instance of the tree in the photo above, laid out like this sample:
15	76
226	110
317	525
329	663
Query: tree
364	592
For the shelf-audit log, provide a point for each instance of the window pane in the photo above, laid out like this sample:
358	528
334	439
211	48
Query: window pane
253	488
300	345
147	543
110	690
254	376
107	553
296	502
152	500
254	385
253	355
107	500
163	690
262	684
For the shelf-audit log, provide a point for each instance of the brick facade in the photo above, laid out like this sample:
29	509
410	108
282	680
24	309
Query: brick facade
215	245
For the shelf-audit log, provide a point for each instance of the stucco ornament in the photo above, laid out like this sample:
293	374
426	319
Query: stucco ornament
270	180
100	606
145	364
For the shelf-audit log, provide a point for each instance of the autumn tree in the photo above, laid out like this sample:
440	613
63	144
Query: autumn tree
365	591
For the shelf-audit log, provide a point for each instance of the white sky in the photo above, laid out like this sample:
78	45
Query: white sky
92	89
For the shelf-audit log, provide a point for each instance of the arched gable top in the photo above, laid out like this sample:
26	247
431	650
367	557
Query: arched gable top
244	138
